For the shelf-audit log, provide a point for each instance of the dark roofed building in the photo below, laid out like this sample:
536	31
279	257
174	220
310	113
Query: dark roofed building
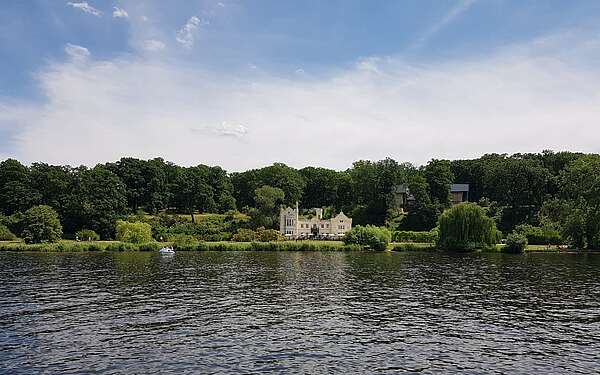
460	193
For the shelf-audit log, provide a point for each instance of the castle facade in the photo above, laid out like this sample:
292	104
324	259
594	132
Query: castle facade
292	225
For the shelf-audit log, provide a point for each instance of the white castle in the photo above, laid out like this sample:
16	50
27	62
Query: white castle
292	225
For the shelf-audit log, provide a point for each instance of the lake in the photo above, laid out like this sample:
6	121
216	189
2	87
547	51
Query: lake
285	312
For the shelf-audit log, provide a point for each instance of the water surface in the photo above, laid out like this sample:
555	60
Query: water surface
280	312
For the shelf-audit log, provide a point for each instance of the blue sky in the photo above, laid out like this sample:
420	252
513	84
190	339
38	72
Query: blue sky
247	83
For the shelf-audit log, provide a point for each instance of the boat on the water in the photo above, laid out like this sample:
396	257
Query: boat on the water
166	251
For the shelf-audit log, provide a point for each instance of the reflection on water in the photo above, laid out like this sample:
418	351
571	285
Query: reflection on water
225	312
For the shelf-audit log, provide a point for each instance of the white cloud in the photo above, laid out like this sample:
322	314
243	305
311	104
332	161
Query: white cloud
223	130
120	13
153	45
523	98
186	34
76	53
86	8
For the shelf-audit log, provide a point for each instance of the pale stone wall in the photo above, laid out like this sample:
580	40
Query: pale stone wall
288	221
290	224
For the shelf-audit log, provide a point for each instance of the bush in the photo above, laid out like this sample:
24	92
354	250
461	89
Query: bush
150	246
133	232
182	239
268	235
370	236
413	247
87	235
6	234
539	235
465	227
244	235
515	243
41	224
411	236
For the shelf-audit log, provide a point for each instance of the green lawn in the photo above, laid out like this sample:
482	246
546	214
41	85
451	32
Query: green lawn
303	245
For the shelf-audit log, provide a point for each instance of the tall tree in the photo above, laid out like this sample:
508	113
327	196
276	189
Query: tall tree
98	200
16	191
439	177
268	203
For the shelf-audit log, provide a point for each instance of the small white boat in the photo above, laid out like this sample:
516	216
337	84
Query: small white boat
166	251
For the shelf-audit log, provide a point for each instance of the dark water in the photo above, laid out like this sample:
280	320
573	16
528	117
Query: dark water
237	312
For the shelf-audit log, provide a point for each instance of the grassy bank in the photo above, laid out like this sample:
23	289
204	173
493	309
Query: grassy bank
73	246
413	246
416	246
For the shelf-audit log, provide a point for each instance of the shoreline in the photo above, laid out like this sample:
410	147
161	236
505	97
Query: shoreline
65	246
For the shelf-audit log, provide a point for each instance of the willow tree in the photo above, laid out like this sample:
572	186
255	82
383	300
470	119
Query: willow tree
466	227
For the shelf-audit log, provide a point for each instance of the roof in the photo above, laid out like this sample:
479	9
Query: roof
400	189
457	188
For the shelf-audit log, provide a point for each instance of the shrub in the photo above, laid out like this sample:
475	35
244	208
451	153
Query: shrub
539	235
41	224
268	235
515	243
6	234
413	247
244	235
182	239
150	246
370	236
411	236
87	235
133	232
465	227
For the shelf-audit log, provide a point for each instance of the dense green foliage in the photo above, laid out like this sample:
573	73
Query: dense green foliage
412	236
6	234
133	232
556	194
244	235
207	227
87	235
268	200
41	224
466	227
269	235
515	243
375	238
539	235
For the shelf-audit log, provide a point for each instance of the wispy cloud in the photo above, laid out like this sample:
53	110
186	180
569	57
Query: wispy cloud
186	34
120	13
153	45
86	8
461	7
517	99
223	130
76	53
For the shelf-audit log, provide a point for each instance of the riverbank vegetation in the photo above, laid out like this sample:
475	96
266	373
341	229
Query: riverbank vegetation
550	198
83	246
466	227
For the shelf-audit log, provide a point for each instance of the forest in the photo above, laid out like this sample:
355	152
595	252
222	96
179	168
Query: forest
547	194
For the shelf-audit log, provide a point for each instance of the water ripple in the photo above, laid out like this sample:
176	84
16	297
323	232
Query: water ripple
217	313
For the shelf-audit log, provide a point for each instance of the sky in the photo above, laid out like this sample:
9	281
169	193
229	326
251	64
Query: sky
243	84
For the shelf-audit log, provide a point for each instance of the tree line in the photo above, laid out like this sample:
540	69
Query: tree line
557	190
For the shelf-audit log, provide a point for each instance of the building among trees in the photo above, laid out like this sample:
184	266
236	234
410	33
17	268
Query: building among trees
403	200
292	225
460	193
